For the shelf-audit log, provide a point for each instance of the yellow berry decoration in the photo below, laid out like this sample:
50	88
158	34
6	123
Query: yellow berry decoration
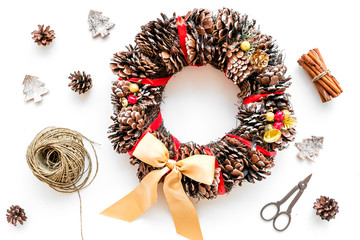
134	87
245	46
124	102
270	116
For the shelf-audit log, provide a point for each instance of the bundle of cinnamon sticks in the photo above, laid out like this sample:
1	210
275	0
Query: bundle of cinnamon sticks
326	84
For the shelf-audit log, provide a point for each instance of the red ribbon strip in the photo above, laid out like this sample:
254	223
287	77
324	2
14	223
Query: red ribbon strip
154	126
177	147
221	187
152	82
258	97
181	26
248	144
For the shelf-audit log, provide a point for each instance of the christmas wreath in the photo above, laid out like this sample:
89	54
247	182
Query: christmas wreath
230	42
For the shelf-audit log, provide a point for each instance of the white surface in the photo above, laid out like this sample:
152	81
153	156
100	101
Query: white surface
297	25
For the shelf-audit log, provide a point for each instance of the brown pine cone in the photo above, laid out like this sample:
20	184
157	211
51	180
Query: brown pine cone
326	208
245	89
252	117
268	45
134	64
199	40
80	83
16	214
192	188
43	36
132	118
159	40
238	66
127	128
272	79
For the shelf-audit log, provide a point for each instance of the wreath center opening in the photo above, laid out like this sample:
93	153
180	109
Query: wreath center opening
199	104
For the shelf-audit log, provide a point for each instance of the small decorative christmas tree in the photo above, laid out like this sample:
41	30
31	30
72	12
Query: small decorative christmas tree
99	24
33	88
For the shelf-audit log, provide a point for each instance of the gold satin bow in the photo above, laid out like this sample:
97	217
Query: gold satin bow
197	167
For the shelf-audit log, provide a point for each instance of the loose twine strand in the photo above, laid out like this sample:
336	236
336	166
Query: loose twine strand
326	71
57	157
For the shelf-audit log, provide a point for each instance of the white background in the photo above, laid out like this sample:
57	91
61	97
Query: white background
201	106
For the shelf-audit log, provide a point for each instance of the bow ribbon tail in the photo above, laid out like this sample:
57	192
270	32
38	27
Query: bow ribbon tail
139	200
182	210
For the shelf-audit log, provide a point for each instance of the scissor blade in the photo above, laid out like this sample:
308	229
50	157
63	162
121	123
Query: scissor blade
307	179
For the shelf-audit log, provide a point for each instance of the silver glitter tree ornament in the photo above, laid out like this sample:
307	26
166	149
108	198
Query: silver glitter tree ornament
99	24
309	148
33	88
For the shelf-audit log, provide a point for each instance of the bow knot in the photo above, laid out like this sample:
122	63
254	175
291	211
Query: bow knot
171	164
153	152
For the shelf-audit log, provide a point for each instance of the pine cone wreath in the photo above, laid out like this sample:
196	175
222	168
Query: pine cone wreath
16	214
43	36
80	83
326	208
230	42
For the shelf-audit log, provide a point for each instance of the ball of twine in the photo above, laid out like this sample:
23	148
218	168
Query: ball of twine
58	157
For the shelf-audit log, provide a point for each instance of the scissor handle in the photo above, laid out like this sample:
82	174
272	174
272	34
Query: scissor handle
276	217
267	205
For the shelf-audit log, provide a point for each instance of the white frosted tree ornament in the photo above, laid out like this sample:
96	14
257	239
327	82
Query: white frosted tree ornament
33	88
99	24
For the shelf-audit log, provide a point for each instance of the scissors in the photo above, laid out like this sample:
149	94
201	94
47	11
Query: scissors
301	186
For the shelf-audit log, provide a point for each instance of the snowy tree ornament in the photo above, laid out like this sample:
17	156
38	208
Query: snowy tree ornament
33	88
99	24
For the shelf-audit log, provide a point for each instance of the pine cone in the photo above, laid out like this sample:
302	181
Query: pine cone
127	128
326	208
245	89
16	214
80	83
231	161
192	188
155	40
271	79
199	40
269	46
252	117
43	36
238	66
134	64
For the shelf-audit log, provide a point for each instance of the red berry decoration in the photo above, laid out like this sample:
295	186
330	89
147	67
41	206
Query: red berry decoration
279	116
278	125
132	99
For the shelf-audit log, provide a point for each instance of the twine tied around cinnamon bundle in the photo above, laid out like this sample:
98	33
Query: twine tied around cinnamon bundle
58	157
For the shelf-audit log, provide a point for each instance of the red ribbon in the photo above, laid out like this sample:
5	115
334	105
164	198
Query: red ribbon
258	97
154	126
177	147
181	26
221	187
248	144
152	82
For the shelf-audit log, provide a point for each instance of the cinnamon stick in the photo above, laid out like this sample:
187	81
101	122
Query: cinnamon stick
327	85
